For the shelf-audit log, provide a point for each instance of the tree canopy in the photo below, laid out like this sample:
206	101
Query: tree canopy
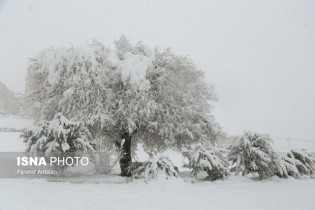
154	96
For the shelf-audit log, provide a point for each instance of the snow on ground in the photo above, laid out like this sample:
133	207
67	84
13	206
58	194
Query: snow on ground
116	193
10	142
8	121
237	193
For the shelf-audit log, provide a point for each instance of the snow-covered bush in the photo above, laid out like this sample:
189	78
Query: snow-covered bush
157	166
292	165
253	153
306	158
299	163
58	137
209	160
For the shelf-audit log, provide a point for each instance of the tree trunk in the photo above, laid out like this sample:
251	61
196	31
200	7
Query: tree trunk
125	159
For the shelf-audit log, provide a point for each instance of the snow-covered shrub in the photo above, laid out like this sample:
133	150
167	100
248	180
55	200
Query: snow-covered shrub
280	168
209	160
299	163
157	166
253	153
292	165
306	158
58	137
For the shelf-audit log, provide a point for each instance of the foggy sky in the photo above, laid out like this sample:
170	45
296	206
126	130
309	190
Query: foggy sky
260	55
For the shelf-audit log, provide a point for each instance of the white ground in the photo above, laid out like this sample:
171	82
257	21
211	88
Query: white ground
230	194
115	193
8	121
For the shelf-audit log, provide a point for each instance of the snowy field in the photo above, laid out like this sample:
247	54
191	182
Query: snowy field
118	193
15	122
230	194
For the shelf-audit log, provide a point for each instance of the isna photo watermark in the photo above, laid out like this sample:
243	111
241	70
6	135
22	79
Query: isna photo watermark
59	161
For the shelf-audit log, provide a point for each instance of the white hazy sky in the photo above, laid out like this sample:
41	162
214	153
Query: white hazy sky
259	54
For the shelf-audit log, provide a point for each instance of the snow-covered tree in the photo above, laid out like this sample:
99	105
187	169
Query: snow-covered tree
209	160
253	153
58	137
130	93
292	165
306	158
157	167
298	163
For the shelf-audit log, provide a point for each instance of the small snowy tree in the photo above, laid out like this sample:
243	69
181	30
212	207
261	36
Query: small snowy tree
253	153
209	160
292	165
131	93
306	158
58	137
299	163
157	167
